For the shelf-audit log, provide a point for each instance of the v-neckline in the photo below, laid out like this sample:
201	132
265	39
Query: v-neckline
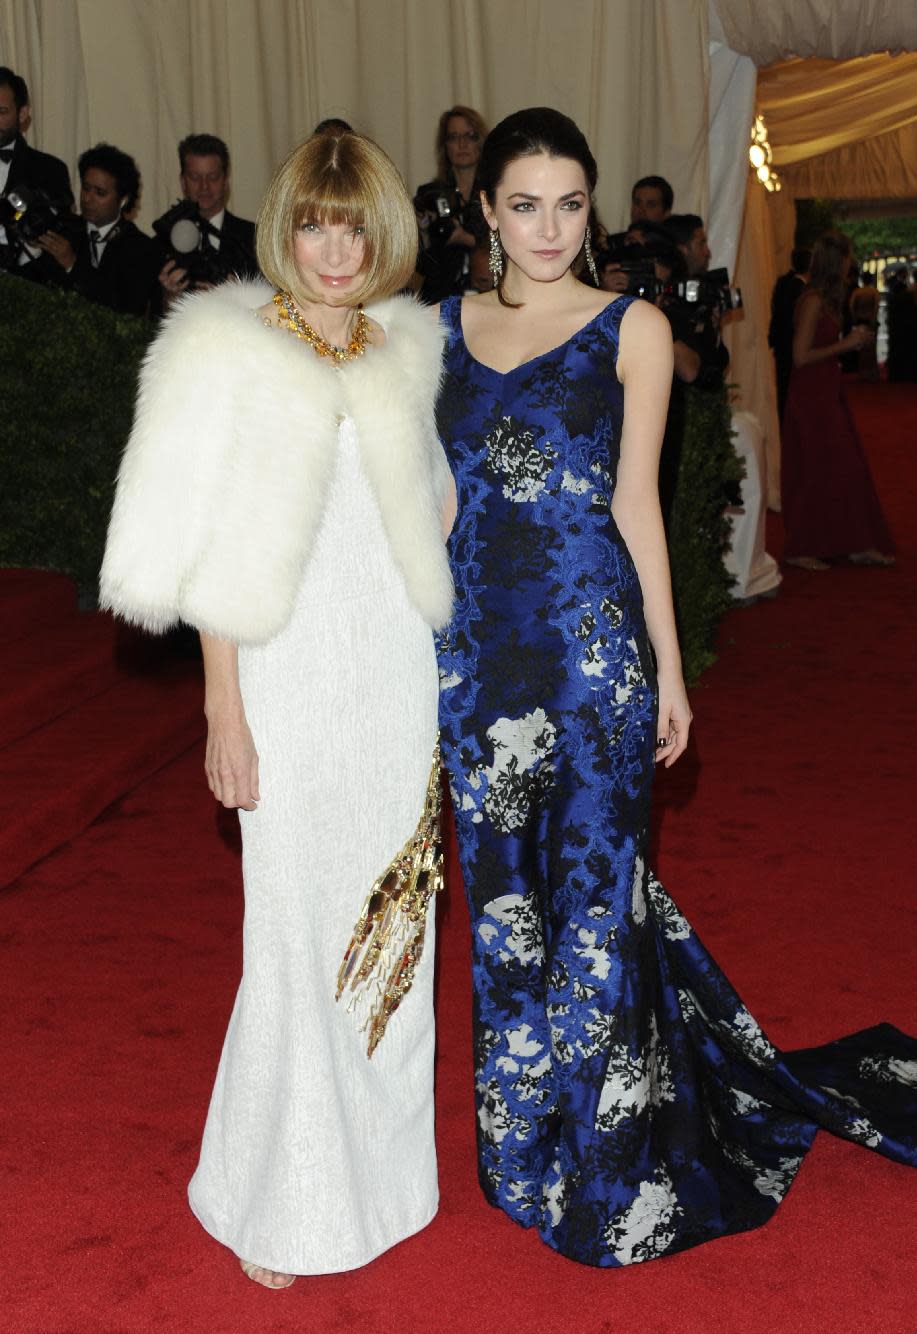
532	361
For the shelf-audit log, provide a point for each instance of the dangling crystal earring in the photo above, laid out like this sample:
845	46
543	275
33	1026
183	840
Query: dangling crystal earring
590	260
495	259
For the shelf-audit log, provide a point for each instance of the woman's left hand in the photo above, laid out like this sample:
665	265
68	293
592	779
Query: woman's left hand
673	721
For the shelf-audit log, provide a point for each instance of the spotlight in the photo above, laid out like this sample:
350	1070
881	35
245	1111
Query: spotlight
760	156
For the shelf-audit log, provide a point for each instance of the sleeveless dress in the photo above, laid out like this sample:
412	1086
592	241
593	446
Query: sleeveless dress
628	1105
314	1158
828	499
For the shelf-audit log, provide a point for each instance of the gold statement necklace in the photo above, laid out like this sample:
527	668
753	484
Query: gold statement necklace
291	318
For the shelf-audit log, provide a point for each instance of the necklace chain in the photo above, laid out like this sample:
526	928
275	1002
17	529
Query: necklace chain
294	321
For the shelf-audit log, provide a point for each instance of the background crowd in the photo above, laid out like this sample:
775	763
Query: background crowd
91	246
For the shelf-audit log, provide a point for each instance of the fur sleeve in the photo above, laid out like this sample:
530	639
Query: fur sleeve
169	467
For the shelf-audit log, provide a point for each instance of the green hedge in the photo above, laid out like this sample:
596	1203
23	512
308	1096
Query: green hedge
68	378
699	528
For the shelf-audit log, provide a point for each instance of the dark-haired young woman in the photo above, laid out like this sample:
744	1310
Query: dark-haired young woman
830	507
628	1104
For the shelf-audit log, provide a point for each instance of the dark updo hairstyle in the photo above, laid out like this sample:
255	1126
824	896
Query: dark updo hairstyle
527	134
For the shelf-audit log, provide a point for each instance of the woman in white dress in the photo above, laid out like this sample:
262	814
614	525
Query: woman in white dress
285	492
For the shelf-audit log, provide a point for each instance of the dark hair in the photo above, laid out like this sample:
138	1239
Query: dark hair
655	183
203	145
659	247
527	134
17	86
120	165
826	276
680	227
333	123
800	260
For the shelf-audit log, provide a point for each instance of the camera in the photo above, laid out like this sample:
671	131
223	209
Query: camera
432	199
184	233
636	261
641	278
710	291
27	214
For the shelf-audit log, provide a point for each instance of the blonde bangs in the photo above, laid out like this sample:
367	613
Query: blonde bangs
340	179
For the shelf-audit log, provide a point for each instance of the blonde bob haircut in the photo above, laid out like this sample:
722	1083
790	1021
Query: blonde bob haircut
340	177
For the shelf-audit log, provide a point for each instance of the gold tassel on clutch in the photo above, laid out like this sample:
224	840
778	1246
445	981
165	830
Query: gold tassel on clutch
385	948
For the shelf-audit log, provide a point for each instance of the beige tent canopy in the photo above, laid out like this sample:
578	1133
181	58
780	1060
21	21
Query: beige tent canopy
838	90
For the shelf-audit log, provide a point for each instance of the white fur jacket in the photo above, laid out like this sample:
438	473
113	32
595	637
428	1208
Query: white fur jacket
224	479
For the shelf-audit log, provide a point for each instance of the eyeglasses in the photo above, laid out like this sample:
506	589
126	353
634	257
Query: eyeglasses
462	136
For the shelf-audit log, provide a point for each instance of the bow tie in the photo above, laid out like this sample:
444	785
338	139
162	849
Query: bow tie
6	154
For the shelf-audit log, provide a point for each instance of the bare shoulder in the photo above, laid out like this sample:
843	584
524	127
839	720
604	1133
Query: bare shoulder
808	307
644	328
645	341
643	319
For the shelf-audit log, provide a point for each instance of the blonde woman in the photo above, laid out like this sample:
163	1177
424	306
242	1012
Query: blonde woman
449	208
284	491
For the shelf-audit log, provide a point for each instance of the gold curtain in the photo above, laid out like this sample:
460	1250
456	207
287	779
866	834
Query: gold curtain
260	73
838	129
815	106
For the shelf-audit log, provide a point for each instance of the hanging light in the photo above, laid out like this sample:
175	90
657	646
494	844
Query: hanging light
760	156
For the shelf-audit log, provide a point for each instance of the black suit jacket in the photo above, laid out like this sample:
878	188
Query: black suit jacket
239	235
40	171
126	276
787	291
237	246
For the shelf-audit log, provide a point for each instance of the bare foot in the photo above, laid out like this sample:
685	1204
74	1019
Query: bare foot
268	1278
807	562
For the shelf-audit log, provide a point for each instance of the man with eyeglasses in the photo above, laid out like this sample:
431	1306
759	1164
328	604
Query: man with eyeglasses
448	208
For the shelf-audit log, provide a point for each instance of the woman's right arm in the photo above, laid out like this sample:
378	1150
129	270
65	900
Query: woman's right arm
231	762
804	354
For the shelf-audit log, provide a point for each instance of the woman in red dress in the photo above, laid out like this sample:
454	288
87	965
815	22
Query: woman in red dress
830	506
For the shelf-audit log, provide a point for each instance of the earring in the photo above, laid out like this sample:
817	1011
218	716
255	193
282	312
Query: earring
495	258
590	260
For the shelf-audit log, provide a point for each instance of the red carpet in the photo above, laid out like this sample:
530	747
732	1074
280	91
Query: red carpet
787	837
89	709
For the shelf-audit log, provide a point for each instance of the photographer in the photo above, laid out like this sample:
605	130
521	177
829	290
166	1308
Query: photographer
695	306
109	260
449	207
37	180
224	244
651	199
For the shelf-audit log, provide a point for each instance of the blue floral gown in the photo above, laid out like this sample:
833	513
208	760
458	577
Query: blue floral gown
628	1104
